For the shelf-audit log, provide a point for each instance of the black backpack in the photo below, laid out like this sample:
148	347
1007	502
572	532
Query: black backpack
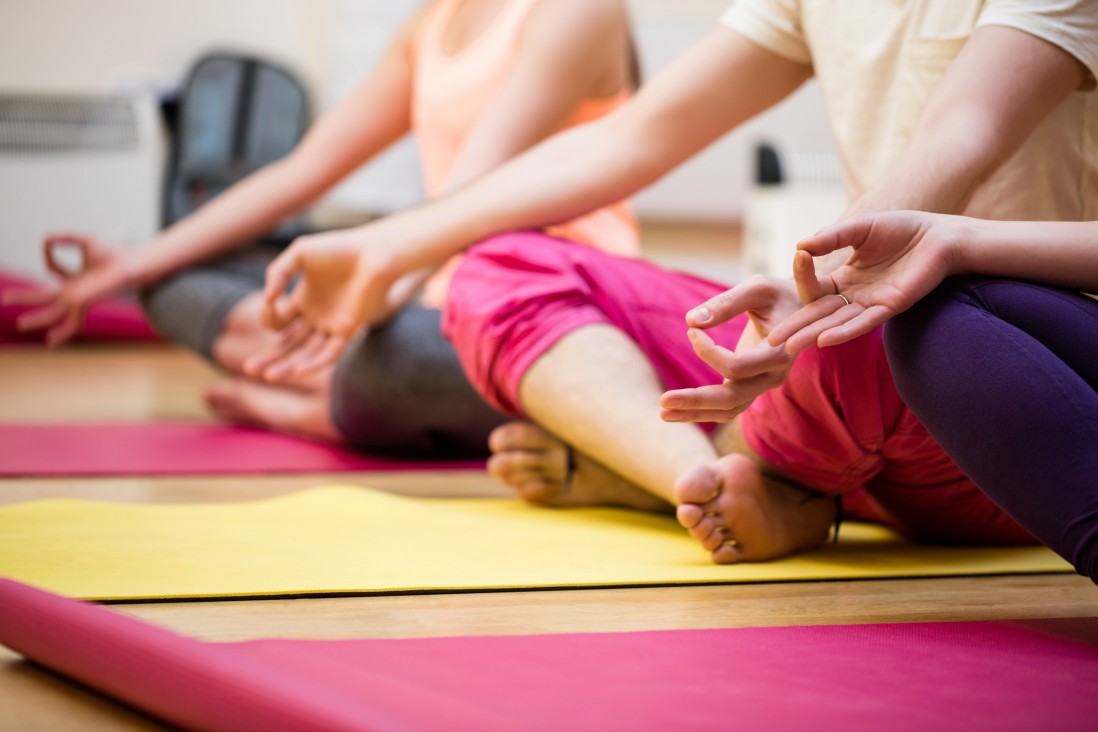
234	114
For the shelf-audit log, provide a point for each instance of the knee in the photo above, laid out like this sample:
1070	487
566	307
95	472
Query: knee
500	302
400	389
918	341
501	270
153	301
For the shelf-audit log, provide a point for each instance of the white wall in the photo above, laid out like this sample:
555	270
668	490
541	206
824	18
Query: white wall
103	45
714	185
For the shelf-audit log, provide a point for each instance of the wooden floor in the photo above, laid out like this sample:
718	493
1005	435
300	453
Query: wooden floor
131	383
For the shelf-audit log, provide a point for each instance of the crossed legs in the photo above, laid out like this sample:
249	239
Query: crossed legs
585	349
297	406
398	388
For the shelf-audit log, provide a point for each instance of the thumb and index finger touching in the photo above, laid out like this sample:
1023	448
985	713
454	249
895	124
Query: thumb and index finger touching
278	310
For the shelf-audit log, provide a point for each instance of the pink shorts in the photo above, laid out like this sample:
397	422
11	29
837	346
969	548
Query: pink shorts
837	424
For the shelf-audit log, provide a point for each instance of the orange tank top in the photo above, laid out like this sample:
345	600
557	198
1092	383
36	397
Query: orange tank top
450	93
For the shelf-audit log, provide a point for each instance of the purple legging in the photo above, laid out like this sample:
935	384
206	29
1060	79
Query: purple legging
1004	374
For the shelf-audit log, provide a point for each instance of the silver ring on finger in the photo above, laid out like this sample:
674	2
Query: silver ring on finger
843	297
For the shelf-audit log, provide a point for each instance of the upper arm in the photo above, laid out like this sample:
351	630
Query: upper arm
569	51
999	88
375	115
996	91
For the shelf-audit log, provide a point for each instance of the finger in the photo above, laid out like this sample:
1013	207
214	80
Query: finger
752	294
280	312
703	405
280	273
326	354
859	325
40	319
737	365
289	338
714	396
274	365
809	335
64	237
760	360
717	416
85	245
66	329
50	249
810	286
721	359
32	298
803	318
287	366
849	233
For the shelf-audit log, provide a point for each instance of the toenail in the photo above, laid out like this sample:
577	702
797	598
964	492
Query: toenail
711	514
721	530
731	543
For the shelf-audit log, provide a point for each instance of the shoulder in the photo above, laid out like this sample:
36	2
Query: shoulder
576	18
412	25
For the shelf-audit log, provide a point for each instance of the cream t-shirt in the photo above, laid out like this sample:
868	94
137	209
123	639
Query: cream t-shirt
878	62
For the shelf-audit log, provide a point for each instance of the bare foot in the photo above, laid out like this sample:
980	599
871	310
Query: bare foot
279	408
739	515
242	334
535	464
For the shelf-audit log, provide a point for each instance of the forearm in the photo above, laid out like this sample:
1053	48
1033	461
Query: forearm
564	177
672	118
940	170
238	216
1061	253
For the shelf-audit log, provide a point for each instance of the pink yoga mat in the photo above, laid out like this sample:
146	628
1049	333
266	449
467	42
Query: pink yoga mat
918	676
179	448
111	320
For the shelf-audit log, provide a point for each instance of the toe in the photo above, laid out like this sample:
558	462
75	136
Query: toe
519	436
699	485
689	515
729	552
717	537
536	490
515	467
704	529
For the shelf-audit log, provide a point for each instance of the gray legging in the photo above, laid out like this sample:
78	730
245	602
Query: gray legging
398	389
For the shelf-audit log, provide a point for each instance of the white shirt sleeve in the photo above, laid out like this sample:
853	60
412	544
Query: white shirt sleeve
1071	25
773	24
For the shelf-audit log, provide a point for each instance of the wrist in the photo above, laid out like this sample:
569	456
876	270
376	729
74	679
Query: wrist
964	244
127	272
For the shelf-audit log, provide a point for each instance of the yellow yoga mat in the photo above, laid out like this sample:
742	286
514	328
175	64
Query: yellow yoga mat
347	539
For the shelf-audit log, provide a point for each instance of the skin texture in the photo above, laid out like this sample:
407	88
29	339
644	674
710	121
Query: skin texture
541	91
900	256
676	115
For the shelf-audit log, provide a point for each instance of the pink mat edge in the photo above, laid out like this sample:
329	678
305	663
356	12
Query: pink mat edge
28	450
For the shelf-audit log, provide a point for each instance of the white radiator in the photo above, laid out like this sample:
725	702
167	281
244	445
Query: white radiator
82	163
800	192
